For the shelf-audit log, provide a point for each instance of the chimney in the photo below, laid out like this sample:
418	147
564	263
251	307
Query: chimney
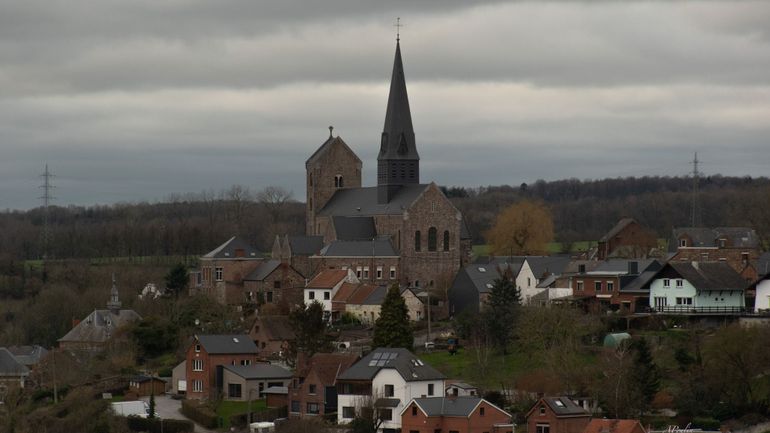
633	267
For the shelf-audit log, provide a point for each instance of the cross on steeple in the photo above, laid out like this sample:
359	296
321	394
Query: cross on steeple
398	26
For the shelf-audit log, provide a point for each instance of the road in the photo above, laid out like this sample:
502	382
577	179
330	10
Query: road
168	408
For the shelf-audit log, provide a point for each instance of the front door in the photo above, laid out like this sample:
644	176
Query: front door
660	303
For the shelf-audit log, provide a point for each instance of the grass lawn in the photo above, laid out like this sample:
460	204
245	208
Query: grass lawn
463	365
226	409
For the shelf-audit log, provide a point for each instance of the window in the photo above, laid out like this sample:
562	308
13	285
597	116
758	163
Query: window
610	286
679	283
311	295
312	408
666	282
542	410
598	286
446	240
234	390
529	282
704	257
197	365
197	386
366	272
379	272
683	301
276	284
359	270
347	388
682	242
348	412
295	406
218	274
417	241
389	390
245	362
745	258
580	286
269	297
414	410
430	389
481	411
432	241
327	295
197	347
722	243
311	389
386	414
543	428
392	272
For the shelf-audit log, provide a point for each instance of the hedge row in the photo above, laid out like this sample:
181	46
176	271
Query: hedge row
240	420
200	414
153	425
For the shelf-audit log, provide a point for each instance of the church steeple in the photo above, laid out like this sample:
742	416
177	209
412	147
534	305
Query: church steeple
114	304
398	163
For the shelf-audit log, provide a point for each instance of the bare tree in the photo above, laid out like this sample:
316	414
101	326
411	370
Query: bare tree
274	199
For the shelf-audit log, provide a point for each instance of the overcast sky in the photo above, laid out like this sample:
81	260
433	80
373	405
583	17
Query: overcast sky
136	100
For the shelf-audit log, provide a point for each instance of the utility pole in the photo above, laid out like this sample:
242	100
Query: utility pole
47	197
695	193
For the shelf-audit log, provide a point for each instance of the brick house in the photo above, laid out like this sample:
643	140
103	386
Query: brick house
271	334
205	357
222	271
454	414
739	247
615	284
296	251
557	415
375	261
274	282
614	426
424	228
313	390
627	239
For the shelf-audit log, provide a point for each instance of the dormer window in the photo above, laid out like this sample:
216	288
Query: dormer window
682	242
722	243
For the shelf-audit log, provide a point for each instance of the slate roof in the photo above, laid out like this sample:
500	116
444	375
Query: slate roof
461	385
259	371
563	406
344	292
325	147
10	366
327	279
641	282
227	250
99	326
739	237
376	296
461	406
480	276
354	228
263	270
547	281
613	426
305	245
387	402
543	265
616	229
763	265
377	248
403	361
363	201
398	133
621	265
28	355
709	275
227	344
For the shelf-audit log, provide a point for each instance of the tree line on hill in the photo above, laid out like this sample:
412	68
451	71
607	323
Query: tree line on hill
192	224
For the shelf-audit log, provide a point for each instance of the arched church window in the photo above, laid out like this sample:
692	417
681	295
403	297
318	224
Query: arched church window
446	240
338	181
417	241
432	234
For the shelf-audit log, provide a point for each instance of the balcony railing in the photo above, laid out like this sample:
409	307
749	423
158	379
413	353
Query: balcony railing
690	309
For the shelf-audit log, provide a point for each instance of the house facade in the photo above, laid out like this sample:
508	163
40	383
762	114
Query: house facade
247	382
698	288
739	247
557	415
313	389
385	380
627	239
205	357
456	414
276	283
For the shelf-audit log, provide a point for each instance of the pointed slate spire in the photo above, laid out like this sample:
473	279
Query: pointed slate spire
398	162
114	304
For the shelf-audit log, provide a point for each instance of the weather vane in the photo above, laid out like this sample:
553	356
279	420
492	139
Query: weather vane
398	26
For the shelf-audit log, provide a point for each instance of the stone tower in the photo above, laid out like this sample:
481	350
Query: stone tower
332	167
398	163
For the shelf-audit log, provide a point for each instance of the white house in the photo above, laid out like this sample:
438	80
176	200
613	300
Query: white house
698	288
386	379
325	285
534	270
762	300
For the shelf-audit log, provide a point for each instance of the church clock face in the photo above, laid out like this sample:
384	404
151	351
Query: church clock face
384	142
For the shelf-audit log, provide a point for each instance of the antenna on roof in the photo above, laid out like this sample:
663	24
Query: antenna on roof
695	178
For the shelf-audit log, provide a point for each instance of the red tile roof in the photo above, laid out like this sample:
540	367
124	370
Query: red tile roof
362	292
614	426
327	279
328	366
344	292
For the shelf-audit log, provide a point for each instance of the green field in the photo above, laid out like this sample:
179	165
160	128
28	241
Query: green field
463	365
226	409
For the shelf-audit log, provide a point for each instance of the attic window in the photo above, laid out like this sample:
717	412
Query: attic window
489	285
482	269
235	340
559	403
682	242
253	254
227	254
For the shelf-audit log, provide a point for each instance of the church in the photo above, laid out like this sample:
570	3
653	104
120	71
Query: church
400	229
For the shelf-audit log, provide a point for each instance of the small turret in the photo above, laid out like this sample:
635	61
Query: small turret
114	304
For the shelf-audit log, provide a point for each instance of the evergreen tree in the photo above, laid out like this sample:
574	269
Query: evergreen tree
645	376
392	329
501	309
309	331
177	279
151	413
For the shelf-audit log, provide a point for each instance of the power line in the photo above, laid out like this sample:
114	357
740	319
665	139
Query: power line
47	198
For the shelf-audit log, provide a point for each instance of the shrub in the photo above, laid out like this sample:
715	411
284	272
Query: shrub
136	423
706	423
199	413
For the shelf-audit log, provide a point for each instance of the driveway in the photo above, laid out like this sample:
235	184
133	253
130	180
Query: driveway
168	408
